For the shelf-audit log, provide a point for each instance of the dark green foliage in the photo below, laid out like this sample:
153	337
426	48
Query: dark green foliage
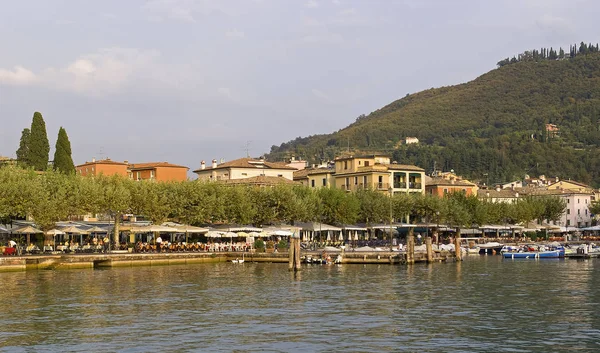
63	161
23	151
492	129
39	147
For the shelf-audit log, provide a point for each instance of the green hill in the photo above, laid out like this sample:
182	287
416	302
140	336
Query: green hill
490	129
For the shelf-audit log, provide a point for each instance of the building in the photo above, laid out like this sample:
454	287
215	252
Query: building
498	195
103	166
260	180
243	168
577	213
376	172
441	184
159	171
411	140
570	185
315	177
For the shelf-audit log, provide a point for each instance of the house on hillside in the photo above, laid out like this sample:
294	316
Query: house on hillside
159	171
244	168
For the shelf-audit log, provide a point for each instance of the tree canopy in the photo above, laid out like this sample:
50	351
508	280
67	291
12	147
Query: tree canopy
63	161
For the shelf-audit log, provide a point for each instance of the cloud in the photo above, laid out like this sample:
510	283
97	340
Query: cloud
18	76
312	4
235	34
101	73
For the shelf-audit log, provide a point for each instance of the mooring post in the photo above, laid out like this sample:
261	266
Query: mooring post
410	246
429	246
457	248
294	254
297	256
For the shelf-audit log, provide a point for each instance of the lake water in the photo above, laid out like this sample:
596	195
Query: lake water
482	304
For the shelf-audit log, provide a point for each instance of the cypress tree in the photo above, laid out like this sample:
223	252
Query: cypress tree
39	147
63	162
23	157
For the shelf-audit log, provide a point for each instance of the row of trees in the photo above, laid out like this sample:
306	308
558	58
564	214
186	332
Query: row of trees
53	196
551	54
34	148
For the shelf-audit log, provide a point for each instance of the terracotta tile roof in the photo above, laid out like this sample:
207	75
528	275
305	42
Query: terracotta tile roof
570	182
261	180
102	161
363	156
152	165
552	192
247	163
502	193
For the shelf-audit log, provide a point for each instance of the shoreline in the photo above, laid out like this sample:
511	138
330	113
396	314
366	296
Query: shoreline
112	260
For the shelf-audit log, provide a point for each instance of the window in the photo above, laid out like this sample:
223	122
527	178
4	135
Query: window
568	201
324	181
359	162
347	182
355	180
345	164
367	163
586	201
568	222
578	212
364	180
568	211
586	211
312	183
92	169
578	200
445	191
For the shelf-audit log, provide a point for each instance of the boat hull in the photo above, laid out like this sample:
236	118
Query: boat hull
553	254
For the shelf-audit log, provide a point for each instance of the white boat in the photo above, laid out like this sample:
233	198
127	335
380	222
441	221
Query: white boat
490	248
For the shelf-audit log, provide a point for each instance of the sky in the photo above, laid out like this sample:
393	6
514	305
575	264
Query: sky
190	80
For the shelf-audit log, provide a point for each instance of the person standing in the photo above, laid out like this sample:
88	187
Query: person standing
158	243
12	244
105	243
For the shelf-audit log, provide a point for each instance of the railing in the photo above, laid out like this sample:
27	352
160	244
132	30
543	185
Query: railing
399	185
414	185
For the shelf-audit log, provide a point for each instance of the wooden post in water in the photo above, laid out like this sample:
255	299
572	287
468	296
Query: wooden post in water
428	245
457	249
410	246
294	254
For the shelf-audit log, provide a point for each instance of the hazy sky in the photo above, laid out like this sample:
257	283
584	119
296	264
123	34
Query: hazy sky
190	80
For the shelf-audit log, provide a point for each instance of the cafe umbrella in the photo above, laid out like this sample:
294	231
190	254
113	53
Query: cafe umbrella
27	230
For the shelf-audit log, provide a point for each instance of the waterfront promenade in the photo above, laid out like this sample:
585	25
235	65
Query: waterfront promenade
125	259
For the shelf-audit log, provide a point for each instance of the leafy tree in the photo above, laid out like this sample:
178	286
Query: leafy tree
39	147
23	157
63	161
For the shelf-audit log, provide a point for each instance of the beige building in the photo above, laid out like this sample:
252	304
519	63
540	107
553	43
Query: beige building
243	168
377	173
315	177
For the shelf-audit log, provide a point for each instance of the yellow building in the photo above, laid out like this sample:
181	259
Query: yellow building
377	173
315	177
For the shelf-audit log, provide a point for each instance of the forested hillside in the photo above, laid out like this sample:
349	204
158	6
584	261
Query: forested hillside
490	129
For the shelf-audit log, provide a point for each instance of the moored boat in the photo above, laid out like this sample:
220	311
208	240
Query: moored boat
491	248
551	254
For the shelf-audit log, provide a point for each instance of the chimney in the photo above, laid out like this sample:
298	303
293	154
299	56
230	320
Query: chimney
214	163
512	186
93	160
497	188
202	165
126	161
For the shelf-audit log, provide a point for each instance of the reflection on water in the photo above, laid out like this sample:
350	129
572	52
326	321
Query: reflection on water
483	304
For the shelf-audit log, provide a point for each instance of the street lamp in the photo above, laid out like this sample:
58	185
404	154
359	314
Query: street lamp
391	216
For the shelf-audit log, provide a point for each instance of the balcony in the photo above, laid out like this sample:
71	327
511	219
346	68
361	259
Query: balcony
399	185
414	186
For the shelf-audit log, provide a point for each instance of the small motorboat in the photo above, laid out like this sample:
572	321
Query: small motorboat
491	248
551	254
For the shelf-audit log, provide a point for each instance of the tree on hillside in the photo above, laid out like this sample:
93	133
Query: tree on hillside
23	157
39	147
63	162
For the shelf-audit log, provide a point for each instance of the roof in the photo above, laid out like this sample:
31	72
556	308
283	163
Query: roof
152	165
394	166
102	161
446	182
304	173
570	182
498	194
361	156
552	192
247	163
259	180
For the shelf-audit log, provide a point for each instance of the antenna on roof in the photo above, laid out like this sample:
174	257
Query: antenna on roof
247	149
101	153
